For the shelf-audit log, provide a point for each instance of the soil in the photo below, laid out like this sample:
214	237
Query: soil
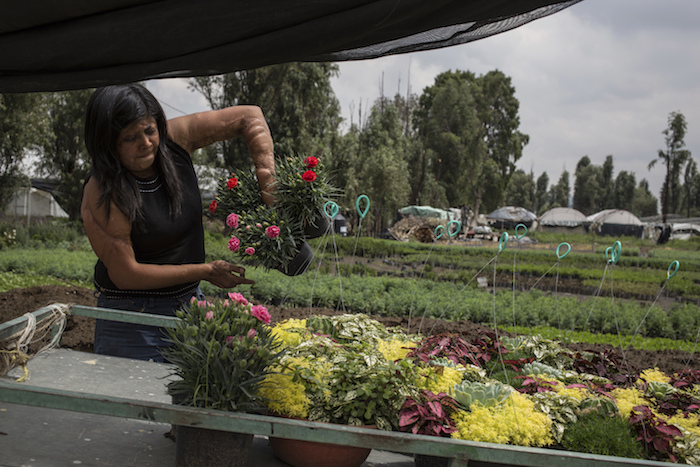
78	334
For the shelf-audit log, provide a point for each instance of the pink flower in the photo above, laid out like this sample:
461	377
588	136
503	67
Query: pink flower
261	313
258	225
247	227
252	333
272	232
229	339
234	244
311	162
238	298
203	303
193	300
232	220
250	251
309	176
212	206
209	316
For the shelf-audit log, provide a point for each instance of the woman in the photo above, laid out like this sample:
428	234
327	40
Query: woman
142	209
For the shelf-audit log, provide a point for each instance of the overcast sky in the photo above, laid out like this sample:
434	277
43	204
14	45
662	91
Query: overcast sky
599	78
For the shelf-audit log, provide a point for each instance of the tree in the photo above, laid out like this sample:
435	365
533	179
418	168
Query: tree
22	130
298	102
624	189
541	203
690	187
559	193
606	197
587	187
674	158
372	162
645	203
468	128
521	190
64	152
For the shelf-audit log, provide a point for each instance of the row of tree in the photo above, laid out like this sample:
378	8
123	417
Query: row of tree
456	144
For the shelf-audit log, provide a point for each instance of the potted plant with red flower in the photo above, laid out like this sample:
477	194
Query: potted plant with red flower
274	236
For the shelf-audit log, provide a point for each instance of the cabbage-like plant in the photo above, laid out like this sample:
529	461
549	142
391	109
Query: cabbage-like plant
489	394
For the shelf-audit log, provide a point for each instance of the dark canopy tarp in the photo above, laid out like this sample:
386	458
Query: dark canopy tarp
57	45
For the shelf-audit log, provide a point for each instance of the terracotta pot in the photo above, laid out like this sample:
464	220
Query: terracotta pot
298	453
201	447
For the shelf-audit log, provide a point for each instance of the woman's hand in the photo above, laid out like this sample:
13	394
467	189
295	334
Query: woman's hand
226	275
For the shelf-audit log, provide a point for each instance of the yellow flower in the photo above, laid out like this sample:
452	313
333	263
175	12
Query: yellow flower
577	394
285	396
439	379
691	424
395	349
290	332
627	398
515	421
653	374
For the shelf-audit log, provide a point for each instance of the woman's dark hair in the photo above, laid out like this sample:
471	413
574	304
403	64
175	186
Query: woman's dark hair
109	111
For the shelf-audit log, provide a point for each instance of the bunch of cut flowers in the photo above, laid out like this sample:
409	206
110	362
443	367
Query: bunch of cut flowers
222	352
273	236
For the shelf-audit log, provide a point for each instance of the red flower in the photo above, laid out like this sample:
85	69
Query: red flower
212	206
309	176
232	183
311	162
234	244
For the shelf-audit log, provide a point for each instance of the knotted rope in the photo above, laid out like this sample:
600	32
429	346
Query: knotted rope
16	350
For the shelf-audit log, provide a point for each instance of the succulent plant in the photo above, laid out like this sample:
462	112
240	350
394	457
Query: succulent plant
602	405
489	394
659	389
540	369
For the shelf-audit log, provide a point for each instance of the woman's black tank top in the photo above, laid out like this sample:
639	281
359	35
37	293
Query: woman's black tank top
164	239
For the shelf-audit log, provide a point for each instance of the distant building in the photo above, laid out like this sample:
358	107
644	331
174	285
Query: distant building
35	201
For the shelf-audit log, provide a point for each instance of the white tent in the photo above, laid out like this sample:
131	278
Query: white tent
508	217
616	222
34	203
564	219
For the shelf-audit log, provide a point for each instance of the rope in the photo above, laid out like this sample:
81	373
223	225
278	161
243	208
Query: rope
17	350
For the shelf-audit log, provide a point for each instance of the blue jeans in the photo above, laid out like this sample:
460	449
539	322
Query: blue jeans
135	341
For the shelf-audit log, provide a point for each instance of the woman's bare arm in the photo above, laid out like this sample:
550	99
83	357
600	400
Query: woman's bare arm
111	240
204	128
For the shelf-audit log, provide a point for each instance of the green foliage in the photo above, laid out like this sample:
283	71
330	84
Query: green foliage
64	153
221	354
298	101
599	434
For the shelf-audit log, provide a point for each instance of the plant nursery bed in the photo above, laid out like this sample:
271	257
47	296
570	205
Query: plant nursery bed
84	383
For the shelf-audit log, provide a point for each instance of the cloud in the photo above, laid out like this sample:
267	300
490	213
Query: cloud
598	78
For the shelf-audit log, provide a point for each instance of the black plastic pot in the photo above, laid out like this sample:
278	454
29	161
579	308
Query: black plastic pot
317	228
301	261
